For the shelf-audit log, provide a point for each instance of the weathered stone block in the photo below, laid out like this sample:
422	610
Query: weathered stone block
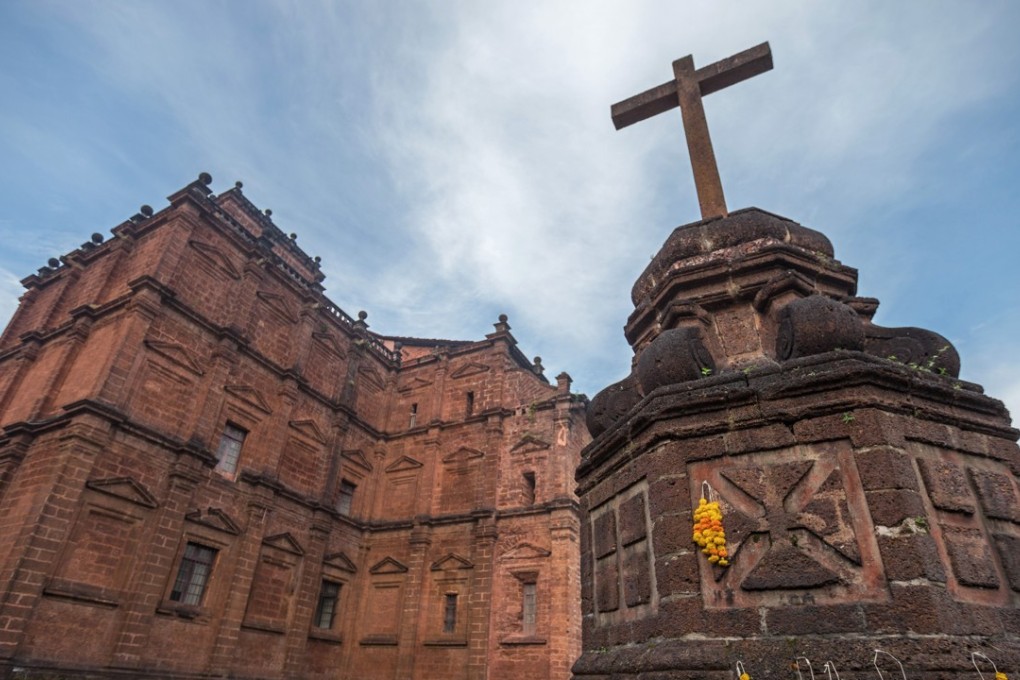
911	556
677	574
970	557
995	491
605	534
886	468
947	486
637	577
812	620
607	585
890	508
633	525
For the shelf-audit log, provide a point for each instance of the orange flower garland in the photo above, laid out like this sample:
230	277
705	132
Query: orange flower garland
1000	676
709	534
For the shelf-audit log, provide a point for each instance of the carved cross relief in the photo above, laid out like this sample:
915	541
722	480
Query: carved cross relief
686	89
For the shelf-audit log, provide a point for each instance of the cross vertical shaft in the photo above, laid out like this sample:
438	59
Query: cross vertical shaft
699	142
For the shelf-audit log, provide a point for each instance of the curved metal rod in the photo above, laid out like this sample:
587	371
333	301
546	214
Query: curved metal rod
808	662
830	670
973	660
875	663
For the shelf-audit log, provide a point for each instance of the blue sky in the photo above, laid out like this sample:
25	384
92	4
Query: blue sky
451	161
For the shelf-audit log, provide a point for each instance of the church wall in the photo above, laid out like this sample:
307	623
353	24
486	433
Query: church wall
110	479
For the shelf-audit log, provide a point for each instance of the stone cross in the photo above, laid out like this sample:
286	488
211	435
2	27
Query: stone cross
686	90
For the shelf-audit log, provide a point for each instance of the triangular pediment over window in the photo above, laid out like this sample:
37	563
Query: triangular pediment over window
214	518
285	542
250	396
126	488
469	369
331	344
308	428
525	551
529	444
175	353
403	463
451	561
372	376
340	561
215	257
388	565
356	457
414	384
462	455
277	303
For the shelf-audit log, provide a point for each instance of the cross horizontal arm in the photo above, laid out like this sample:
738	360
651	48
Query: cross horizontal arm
711	78
645	105
732	70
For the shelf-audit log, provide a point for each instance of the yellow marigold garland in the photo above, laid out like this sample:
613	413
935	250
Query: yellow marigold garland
709	534
745	676
1000	676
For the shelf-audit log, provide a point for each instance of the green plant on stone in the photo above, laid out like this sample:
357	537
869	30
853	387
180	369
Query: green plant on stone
706	371
929	365
848	417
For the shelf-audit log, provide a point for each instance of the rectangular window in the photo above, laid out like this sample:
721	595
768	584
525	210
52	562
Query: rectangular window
529	606
329	594
529	488
470	405
193	574
414	415
229	450
345	500
450	613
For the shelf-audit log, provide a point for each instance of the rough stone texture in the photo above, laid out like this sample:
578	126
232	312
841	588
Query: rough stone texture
868	501
118	375
610	404
677	355
817	324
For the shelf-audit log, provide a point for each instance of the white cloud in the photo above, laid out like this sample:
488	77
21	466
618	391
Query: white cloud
521	189
453	160
10	291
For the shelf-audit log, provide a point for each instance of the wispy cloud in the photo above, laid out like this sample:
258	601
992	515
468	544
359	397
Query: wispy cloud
10	291
454	160
522	190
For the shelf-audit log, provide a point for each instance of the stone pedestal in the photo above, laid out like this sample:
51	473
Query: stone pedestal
870	498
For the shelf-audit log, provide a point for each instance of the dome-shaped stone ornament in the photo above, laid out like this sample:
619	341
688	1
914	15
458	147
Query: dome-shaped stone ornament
676	356
817	324
611	404
915	347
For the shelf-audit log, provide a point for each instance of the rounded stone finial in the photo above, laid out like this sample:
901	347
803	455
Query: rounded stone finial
538	361
503	318
611	404
293	236
677	355
146	210
97	238
205	178
53	262
268	212
238	184
316	259
362	315
817	324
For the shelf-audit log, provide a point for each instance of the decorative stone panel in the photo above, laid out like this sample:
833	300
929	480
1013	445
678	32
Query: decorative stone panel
625	586
796	529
